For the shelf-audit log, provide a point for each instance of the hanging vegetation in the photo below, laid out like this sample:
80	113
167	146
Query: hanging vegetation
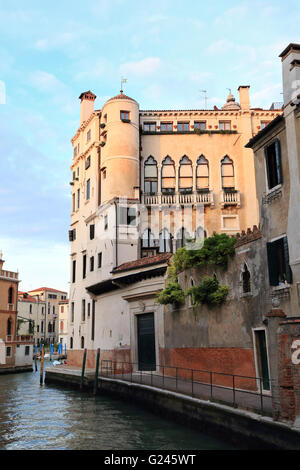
216	251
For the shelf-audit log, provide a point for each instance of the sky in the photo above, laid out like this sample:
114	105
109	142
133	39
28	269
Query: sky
169	50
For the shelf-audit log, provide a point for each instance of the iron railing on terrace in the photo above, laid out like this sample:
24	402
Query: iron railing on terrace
239	391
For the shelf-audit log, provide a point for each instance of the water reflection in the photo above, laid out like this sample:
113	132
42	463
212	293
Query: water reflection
48	417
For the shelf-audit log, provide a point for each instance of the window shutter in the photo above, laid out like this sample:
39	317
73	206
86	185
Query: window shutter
267	168
288	271
92	231
278	162
272	264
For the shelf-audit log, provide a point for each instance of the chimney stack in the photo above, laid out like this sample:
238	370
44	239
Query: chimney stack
87	105
290	58
244	97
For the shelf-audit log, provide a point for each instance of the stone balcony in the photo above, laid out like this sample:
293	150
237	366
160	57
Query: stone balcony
194	197
230	198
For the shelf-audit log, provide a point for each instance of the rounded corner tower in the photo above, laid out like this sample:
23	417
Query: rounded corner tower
119	140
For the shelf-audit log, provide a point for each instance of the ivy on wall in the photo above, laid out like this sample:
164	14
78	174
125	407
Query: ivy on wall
215	251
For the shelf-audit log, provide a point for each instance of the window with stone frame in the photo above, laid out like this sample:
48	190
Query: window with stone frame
185	181
273	164
150	176
168	178
202	174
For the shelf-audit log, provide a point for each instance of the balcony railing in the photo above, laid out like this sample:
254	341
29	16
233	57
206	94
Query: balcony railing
178	198
230	198
8	274
19	339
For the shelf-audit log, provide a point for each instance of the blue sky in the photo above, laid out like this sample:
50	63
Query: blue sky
168	50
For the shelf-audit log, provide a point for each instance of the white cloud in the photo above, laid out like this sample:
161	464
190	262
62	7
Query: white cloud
46	82
232	16
141	68
266	96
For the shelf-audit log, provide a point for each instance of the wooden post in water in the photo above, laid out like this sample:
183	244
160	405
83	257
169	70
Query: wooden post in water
96	372
83	369
35	362
42	366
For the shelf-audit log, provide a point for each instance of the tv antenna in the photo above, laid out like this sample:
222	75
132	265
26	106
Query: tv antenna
205	97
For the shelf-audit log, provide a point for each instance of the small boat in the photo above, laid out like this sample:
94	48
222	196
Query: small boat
56	363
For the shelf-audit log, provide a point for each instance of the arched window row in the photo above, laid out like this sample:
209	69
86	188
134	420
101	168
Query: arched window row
186	174
165	243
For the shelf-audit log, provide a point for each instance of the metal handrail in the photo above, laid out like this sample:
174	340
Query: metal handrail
141	367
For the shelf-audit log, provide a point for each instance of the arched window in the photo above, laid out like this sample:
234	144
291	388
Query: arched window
200	233
150	176
9	326
147	239
82	342
168	176
164	241
185	175
202	174
227	173
246	279
71	343
10	295
181	237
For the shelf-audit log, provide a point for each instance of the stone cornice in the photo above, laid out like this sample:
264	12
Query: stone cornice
84	125
82	156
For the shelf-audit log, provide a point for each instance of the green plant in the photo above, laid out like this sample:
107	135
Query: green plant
215	251
172	294
208	292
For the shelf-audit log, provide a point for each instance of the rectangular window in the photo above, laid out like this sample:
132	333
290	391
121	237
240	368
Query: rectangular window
99	260
88	162
278	262
84	266
201	125
89	309
105	222
73	271
88	189
91	263
78	198
73	202
75	151
273	164
73	175
127	216
93	321
83	310
72	312
8	351
166	126
88	135
92	231
27	350
125	115
149	126
72	235
183	126
37	328
263	124
224	125
30	308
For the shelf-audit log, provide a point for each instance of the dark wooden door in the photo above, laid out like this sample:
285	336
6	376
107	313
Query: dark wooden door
146	341
262	354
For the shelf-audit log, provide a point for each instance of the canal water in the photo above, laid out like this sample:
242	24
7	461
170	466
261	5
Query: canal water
34	417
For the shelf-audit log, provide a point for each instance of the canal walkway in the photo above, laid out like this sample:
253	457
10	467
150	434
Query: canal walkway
245	399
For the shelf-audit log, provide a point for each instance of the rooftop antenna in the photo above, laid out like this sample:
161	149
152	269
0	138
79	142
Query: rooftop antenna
123	80
205	97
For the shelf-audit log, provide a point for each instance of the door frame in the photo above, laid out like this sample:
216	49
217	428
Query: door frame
256	359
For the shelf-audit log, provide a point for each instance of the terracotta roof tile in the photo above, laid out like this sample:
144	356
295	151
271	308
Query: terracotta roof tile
47	289
121	96
143	262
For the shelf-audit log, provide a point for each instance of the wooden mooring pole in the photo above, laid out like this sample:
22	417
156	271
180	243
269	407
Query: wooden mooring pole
83	369
42	366
35	362
96	371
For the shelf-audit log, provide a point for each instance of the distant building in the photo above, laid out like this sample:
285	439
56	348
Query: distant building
51	297
15	350
63	309
31	316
